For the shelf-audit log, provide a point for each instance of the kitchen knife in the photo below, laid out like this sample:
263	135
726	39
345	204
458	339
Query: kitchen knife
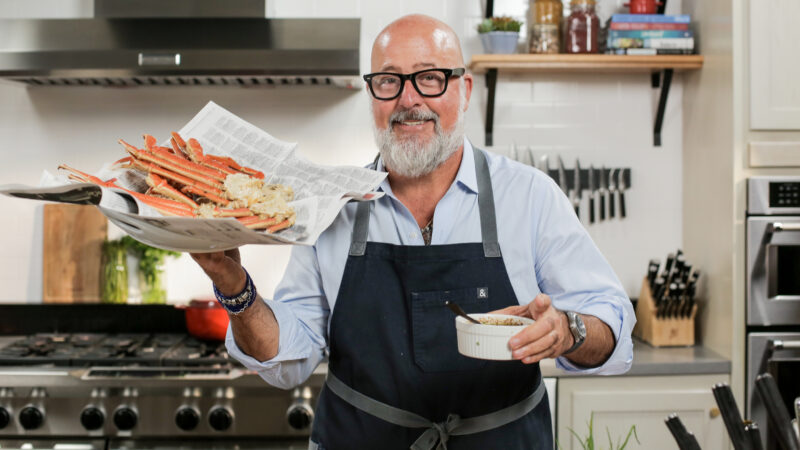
562	176
612	192
684	438
691	287
778	416
730	415
652	272
592	194
668	267
753	435
576	178
658	292
623	186
603	191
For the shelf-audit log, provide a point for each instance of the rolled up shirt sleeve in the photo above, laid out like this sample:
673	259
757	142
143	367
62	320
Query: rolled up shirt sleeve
301	310
573	272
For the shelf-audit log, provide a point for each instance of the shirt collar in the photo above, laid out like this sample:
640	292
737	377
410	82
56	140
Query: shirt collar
465	176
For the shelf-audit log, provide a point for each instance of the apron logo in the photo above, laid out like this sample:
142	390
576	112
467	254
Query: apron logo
483	292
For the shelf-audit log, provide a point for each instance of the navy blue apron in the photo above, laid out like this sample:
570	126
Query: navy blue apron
393	350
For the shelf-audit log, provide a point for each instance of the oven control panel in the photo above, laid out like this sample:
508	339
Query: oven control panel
773	195
784	194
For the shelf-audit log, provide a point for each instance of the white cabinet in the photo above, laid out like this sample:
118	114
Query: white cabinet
619	402
774	65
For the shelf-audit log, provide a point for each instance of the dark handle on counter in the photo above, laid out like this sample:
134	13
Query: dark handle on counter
622	204
685	439
755	436
730	415
591	209
778	416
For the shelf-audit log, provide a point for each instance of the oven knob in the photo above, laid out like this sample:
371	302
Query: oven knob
31	417
92	418
5	417
125	418
220	418
300	416
187	418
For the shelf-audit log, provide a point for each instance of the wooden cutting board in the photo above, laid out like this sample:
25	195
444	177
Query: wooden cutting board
72	253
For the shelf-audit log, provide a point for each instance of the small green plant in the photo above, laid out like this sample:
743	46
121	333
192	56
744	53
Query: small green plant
151	262
588	443
503	23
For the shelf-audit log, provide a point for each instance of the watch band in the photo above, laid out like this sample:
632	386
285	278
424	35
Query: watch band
577	329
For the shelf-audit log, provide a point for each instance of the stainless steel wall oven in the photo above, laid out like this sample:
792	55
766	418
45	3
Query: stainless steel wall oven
773	292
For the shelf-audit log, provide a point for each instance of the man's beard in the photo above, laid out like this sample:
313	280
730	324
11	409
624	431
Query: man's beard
411	156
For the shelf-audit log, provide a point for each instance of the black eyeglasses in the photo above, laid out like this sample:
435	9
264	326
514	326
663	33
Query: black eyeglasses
428	82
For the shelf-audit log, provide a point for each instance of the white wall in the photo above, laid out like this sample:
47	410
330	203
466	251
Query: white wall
602	119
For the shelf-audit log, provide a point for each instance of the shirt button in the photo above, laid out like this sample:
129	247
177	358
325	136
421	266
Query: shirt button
412	235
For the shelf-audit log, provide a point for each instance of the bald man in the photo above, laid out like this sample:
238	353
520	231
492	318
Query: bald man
456	223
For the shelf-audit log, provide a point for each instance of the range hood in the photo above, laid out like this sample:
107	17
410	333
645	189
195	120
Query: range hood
149	45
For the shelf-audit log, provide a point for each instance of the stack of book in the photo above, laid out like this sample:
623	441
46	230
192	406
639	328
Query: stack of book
650	34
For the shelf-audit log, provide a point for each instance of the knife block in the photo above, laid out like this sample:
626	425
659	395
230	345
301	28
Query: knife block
661	331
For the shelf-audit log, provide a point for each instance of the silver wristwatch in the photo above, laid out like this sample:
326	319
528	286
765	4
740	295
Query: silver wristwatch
577	328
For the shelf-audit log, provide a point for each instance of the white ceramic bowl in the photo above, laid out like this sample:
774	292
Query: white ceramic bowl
487	341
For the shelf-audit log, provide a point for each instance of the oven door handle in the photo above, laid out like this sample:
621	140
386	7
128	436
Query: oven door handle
778	344
783	226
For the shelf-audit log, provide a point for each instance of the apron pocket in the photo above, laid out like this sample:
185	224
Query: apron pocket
433	328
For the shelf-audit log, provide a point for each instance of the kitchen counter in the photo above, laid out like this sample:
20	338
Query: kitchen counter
652	361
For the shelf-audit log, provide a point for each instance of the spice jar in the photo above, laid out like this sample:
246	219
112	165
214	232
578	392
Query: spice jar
546	12
545	25
582	27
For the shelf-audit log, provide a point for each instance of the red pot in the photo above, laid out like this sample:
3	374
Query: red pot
644	6
206	319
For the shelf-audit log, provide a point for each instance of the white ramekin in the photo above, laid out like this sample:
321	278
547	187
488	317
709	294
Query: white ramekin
487	341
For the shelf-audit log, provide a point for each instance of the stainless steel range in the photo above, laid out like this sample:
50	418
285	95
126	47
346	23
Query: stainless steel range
125	390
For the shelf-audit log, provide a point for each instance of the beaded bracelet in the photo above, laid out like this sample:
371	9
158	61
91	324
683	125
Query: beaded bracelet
235	304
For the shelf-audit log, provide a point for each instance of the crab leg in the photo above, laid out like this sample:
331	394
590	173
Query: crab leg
162	205
179	167
160	186
257	222
238	212
195	151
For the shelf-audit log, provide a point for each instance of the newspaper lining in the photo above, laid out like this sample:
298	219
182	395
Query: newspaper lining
320	191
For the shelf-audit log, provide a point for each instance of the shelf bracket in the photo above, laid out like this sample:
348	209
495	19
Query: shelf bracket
491	85
662	103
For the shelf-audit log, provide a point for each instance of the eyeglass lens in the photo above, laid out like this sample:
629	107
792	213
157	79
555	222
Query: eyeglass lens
429	82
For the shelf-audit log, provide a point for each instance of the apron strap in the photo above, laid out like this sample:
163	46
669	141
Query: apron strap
491	248
436	434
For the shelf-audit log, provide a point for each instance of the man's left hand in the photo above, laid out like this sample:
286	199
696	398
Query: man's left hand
548	337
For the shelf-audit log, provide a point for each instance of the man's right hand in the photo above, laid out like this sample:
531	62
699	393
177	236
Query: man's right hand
224	269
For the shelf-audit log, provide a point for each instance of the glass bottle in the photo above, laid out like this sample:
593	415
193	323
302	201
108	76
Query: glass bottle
545	26
115	272
582	28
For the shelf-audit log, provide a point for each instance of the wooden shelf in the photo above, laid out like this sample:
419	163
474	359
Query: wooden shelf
584	63
661	68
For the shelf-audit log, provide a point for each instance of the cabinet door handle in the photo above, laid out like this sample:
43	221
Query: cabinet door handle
713	412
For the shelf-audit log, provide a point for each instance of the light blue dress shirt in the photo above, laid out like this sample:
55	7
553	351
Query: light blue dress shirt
545	249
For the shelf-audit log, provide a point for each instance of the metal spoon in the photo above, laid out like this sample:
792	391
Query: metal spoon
457	309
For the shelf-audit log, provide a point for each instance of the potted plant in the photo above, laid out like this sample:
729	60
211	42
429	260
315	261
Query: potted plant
499	34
